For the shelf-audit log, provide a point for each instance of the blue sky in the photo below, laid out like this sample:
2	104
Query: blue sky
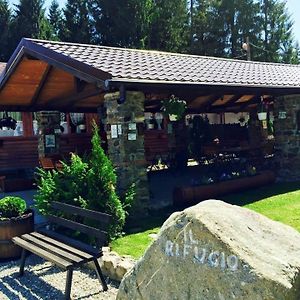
294	9
292	5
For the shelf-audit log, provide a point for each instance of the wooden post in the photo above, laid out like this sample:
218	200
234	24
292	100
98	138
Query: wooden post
27	124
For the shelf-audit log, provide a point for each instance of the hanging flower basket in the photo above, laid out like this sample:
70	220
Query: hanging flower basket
173	118
77	118
262	110
262	116
174	108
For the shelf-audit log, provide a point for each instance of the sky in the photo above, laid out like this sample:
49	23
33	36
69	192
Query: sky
294	9
292	5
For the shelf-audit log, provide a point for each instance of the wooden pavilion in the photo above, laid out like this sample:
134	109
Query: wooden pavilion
118	86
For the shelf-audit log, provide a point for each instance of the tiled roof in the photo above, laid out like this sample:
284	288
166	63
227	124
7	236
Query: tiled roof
2	66
171	67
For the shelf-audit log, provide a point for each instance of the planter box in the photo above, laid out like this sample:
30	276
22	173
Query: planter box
187	196
10	229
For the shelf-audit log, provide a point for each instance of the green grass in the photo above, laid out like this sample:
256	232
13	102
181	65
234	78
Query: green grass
279	202
134	244
283	208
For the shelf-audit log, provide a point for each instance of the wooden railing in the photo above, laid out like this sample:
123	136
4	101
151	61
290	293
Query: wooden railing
22	152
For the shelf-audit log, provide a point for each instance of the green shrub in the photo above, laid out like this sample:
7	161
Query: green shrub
11	207
88	184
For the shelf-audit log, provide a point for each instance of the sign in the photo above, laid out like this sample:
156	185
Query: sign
114	131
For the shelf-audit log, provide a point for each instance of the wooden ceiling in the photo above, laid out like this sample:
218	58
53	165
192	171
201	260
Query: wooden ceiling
211	102
35	85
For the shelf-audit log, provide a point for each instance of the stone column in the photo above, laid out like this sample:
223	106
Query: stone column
48	129
124	127
287	137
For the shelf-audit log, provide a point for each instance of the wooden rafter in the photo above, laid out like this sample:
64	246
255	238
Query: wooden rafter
232	100
211	101
38	90
235	107
244	105
73	99
79	84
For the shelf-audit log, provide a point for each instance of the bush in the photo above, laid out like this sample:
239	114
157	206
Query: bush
88	184
12	207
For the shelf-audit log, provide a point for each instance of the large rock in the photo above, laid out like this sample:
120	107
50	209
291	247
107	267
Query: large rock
219	251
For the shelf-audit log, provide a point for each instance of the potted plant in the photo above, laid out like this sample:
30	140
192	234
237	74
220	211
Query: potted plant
262	112
174	108
15	220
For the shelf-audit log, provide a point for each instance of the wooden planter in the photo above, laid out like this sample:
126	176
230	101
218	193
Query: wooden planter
11	228
186	196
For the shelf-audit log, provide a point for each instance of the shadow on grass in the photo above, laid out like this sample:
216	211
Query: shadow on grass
153	220
257	194
158	217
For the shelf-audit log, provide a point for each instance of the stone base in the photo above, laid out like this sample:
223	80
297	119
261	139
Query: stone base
113	265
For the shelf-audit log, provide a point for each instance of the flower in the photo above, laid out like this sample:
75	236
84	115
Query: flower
174	106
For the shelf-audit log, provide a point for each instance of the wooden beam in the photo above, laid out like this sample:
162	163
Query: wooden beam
79	84
232	100
73	99
43	80
27	124
207	104
235	107
45	107
254	100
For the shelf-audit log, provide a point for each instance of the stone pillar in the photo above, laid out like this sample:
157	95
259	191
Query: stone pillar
124	127
48	132
287	137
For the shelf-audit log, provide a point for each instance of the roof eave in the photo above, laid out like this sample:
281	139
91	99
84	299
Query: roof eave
207	85
66	63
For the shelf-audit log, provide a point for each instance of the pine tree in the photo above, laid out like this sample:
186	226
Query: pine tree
207	29
55	19
30	21
5	18
121	23
276	27
77	25
169	25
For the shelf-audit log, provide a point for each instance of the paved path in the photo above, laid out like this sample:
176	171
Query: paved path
43	281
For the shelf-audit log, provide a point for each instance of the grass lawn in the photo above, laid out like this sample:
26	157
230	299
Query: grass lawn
280	202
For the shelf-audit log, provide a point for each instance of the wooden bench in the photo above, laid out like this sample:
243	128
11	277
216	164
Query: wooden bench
63	251
48	163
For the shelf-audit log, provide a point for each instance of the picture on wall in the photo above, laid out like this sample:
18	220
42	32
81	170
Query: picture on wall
50	141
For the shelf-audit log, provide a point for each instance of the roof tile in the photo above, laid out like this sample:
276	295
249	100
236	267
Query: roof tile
153	65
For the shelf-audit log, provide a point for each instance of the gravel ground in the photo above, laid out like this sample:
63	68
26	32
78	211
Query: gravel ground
41	280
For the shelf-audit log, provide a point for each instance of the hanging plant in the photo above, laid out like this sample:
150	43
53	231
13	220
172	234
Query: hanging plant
262	110
174	106
8	122
77	118
242	121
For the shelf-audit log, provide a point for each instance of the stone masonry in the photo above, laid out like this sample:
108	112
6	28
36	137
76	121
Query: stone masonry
287	137
124	127
48	125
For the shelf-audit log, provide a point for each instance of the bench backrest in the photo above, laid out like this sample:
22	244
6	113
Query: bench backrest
46	163
102	219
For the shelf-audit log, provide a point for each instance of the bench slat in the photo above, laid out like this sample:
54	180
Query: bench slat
101	235
91	214
42	253
70	244
55	250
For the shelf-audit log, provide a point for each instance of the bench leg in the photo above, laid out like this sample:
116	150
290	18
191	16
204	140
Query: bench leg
100	274
22	264
68	284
